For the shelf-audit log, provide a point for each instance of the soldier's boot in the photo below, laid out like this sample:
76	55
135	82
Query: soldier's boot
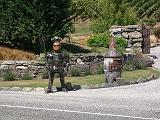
50	83
63	86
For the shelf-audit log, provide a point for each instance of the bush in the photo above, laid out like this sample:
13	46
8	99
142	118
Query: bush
85	69
96	68
27	77
129	66
103	40
45	74
138	61
100	25
99	40
74	71
9	76
121	44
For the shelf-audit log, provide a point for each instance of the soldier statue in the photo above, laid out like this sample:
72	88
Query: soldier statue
57	61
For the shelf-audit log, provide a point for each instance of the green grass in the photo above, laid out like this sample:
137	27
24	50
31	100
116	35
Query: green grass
143	73
84	80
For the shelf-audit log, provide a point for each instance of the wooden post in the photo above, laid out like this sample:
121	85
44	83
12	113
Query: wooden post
146	39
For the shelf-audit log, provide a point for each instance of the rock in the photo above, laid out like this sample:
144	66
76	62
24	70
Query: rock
152	77
85	87
114	84
5	88
22	67
39	89
22	62
97	86
141	80
120	81
4	67
127	83
134	82
16	89
27	89
104	85
8	62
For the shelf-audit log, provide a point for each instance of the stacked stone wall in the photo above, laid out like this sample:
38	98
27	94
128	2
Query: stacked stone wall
132	33
21	68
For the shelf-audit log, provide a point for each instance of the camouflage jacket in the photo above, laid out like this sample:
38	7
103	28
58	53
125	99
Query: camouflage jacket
57	60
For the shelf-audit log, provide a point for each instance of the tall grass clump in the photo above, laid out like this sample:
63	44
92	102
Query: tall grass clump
15	54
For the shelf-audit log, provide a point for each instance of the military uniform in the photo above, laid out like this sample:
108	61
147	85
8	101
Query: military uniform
56	63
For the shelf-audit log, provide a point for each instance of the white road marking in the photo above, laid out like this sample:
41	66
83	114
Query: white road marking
79	112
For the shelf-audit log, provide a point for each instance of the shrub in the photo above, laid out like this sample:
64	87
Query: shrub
121	44
129	66
75	71
85	69
27	77
45	74
99	40
100	25
103	40
9	76
15	54
138	61
96	69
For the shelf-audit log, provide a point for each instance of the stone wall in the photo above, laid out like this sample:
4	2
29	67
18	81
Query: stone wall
132	33
21	68
38	69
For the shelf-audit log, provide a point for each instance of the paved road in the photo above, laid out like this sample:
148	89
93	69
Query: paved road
156	51
133	102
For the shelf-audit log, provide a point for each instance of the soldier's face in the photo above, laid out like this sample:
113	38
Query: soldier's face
56	46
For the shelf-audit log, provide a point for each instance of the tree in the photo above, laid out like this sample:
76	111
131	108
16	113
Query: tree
147	9
25	22
105	13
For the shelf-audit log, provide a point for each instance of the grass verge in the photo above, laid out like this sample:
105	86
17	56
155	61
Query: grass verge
84	80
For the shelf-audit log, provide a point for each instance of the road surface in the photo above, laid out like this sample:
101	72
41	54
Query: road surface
133	102
156	51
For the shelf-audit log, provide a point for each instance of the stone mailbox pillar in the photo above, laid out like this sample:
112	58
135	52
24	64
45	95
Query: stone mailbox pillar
112	63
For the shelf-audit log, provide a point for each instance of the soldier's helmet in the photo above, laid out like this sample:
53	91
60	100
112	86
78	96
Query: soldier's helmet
56	38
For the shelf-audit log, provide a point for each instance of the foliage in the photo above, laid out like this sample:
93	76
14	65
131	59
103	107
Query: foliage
138	61
24	22
45	74
75	71
9	76
147	9
121	44
27	77
104	13
99	40
99	25
85	69
129	66
103	40
96	69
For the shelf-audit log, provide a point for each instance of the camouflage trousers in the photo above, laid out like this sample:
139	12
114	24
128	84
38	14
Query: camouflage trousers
52	75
